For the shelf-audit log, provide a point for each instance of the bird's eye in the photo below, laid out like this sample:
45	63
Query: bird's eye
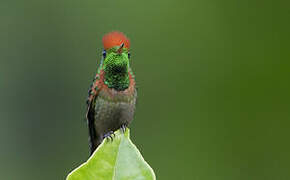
129	55
104	53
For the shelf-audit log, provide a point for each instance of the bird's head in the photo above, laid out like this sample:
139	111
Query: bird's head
116	53
116	57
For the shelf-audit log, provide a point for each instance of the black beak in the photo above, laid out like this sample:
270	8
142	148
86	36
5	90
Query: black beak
120	48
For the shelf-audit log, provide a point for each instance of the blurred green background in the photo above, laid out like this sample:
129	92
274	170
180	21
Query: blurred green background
213	79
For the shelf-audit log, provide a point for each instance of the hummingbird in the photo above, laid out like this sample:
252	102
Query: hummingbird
112	95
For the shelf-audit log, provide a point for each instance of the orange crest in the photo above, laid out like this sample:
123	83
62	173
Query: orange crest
115	38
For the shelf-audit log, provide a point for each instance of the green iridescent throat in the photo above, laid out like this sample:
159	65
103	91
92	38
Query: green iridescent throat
116	66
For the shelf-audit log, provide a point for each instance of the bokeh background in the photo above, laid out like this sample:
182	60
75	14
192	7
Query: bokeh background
213	79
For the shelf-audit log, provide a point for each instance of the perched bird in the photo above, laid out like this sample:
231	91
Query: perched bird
112	96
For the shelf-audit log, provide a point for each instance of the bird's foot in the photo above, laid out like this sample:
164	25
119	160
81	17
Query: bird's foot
123	128
109	135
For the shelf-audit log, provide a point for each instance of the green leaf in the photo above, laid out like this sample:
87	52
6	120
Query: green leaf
114	160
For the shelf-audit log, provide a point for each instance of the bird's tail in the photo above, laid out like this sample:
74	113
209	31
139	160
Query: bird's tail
94	143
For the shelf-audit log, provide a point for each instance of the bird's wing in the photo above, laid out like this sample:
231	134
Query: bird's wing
90	116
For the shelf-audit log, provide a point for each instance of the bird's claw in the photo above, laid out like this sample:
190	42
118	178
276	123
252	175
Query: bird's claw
109	135
123	128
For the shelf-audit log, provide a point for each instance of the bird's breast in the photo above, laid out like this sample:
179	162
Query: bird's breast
113	111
